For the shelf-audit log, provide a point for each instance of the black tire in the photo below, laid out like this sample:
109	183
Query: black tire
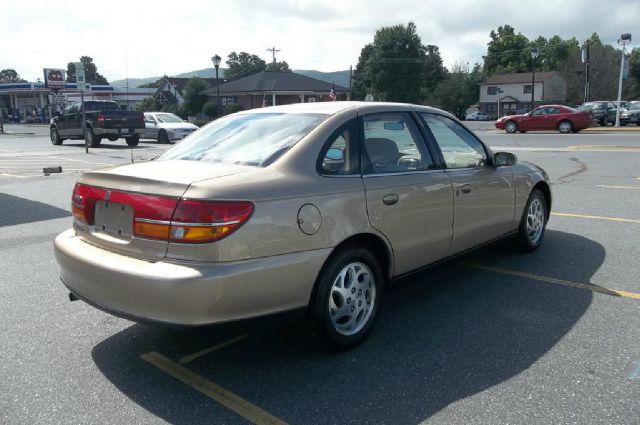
326	295
55	137
526	239
603	122
163	137
511	127
113	138
91	139
565	127
133	140
622	124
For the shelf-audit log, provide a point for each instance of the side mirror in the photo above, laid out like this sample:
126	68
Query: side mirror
56	114
335	154
504	159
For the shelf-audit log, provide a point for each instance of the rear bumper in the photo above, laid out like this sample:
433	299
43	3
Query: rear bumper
182	293
116	131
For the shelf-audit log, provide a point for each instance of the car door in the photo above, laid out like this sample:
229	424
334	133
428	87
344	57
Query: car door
74	121
150	127
538	118
66	119
484	196
409	197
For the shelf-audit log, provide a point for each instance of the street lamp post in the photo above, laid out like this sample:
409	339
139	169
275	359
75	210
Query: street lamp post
216	64
534	54
624	40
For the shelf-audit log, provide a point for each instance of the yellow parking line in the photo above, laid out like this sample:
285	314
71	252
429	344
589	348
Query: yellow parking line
191	357
596	217
589	286
242	407
618	187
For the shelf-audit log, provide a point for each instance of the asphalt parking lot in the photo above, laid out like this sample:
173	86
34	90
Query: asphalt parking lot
495	337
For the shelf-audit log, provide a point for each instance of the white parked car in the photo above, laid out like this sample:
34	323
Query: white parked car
477	116
166	127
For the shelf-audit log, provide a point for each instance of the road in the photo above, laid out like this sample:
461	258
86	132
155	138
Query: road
495	337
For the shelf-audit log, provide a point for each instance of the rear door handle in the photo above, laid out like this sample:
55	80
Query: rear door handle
466	188
390	199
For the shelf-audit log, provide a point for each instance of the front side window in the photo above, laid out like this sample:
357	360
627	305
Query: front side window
459	148
392	144
256	139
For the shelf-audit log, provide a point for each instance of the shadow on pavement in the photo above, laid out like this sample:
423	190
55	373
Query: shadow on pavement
444	334
16	210
113	145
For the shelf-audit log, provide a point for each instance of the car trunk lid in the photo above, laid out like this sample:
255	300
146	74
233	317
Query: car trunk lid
113	206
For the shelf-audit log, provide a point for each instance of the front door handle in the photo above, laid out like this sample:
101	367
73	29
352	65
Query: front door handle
466	188
390	199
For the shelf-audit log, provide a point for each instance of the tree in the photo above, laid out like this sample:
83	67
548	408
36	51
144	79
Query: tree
459	89
507	52
148	104
278	66
193	100
91	74
634	71
361	83
10	76
239	65
397	66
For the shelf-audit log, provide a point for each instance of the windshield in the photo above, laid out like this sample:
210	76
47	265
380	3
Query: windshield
247	139
586	107
168	118
633	106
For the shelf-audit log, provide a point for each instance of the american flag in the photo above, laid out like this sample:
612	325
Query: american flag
332	93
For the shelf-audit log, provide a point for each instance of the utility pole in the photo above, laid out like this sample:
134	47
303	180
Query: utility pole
585	60
623	40
273	51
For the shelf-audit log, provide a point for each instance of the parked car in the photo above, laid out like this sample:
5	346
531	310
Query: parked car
166	127
601	112
547	117
103	119
631	115
477	116
312	207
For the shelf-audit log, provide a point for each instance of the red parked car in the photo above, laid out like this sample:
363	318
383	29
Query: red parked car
547	117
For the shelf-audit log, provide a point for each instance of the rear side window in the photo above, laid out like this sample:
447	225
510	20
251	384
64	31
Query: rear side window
340	155
459	148
392	143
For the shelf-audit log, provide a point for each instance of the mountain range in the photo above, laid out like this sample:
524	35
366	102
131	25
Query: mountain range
338	77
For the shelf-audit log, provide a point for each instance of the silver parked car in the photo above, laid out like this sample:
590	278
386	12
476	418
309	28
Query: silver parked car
166	127
311	207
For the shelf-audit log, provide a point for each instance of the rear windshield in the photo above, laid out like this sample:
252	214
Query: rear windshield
247	139
101	106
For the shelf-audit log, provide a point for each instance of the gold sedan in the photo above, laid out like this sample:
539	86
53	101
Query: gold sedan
309	207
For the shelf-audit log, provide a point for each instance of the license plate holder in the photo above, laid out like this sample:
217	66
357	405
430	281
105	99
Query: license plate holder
114	219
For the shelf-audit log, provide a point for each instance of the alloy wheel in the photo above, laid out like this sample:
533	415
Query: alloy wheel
535	220
352	298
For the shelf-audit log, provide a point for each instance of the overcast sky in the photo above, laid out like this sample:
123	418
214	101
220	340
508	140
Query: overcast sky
162	37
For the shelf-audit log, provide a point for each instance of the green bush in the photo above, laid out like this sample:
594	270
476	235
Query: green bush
232	108
209	109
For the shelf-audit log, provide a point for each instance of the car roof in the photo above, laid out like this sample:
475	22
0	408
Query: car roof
332	108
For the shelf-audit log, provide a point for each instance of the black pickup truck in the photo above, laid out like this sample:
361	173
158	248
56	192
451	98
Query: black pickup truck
103	119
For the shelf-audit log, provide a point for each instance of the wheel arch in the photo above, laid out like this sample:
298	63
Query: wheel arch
543	187
372	242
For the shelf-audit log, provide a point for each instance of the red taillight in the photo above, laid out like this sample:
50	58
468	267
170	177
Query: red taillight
156	217
197	221
83	202
100	119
